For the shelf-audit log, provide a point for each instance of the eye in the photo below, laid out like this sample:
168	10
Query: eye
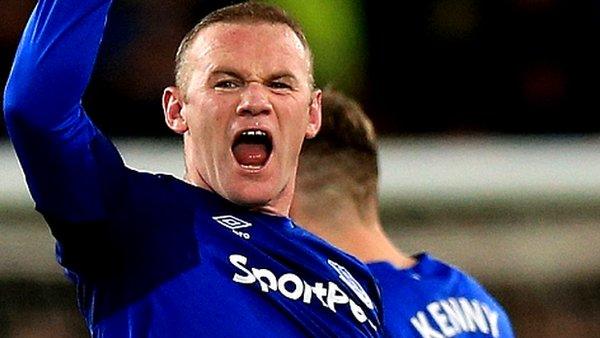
279	85
226	84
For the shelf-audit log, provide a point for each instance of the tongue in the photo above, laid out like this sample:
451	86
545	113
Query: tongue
250	154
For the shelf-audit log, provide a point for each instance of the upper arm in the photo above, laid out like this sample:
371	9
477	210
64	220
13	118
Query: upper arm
66	160
71	173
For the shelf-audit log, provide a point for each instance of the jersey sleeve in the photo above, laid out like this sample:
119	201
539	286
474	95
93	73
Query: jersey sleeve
117	236
70	167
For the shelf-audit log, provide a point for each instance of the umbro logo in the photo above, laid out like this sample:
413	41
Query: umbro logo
234	223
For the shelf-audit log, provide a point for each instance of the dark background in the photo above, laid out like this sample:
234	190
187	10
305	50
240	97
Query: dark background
430	66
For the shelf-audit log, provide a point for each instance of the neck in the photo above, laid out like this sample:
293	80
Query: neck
278	206
359	234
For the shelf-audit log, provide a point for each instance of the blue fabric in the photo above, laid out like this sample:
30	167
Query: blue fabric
435	300
150	255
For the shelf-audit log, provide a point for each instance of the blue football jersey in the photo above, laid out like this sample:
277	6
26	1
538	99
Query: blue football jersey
151	255
435	300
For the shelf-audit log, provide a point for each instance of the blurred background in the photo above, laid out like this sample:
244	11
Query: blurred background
490	154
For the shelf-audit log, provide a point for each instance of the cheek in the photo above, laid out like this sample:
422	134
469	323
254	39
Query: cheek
295	137
297	122
210	112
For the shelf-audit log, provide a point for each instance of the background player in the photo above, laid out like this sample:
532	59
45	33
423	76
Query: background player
336	198
215	255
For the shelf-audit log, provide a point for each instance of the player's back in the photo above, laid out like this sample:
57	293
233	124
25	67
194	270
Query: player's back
435	300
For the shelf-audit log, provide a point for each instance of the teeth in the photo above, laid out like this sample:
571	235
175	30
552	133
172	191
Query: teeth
254	133
251	167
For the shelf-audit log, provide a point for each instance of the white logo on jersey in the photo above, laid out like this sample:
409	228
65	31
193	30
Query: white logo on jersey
293	287
352	283
453	316
234	223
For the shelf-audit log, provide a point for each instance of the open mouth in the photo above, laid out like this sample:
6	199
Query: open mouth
252	148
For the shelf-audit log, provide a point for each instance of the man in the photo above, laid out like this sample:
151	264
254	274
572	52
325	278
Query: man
214	255
336	198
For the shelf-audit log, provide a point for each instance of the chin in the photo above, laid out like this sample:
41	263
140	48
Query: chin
252	196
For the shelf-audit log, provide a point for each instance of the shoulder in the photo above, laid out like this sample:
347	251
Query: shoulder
162	188
460	280
434	293
469	290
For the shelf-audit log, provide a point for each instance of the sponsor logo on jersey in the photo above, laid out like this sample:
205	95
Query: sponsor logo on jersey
291	286
352	283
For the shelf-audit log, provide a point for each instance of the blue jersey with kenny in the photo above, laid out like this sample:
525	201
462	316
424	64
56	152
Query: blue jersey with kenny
150	255
435	300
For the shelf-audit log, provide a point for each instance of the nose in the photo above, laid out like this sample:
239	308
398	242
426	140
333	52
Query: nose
254	100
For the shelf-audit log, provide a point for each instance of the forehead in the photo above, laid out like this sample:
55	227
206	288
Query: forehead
255	45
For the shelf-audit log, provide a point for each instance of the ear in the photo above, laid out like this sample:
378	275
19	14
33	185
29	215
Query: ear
314	114
172	103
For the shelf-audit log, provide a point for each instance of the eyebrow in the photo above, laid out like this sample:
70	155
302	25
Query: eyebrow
235	74
227	72
283	75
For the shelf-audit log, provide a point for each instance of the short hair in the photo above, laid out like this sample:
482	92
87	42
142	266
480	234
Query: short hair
343	155
246	12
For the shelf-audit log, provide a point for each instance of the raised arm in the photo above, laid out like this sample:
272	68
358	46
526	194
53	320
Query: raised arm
64	157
